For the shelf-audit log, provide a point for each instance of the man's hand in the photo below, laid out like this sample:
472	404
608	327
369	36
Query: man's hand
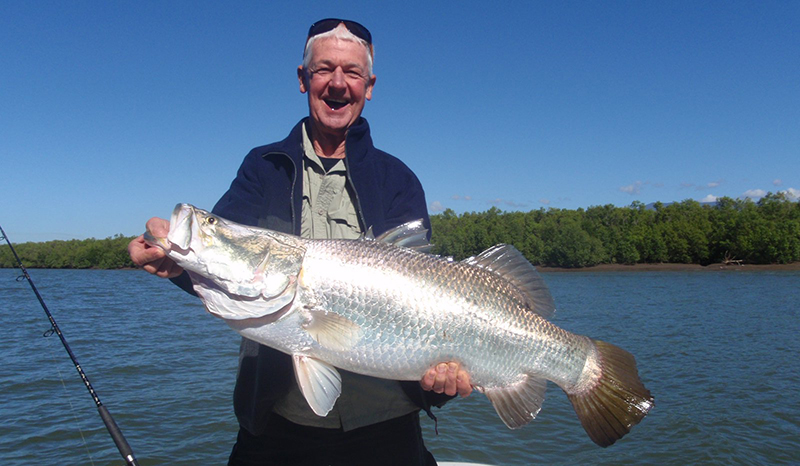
447	378
153	259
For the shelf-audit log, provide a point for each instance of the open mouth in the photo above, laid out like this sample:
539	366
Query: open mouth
335	104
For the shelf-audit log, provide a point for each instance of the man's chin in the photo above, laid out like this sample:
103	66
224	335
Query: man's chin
335	123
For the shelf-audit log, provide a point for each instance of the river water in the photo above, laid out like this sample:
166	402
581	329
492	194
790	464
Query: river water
718	350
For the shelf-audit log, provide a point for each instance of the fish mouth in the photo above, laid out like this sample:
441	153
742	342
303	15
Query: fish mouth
158	242
180	230
180	226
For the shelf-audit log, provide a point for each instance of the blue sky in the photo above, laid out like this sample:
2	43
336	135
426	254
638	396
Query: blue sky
113	112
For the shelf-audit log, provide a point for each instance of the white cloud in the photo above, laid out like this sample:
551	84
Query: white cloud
791	193
754	193
544	201
634	188
711	185
702	187
456	197
709	198
499	201
435	207
777	182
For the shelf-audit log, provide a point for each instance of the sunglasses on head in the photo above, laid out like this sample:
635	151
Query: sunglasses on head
329	24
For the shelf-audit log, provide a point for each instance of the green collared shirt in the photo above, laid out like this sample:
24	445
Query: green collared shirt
329	212
328	207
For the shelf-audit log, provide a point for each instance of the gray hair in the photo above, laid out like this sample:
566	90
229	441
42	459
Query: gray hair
339	32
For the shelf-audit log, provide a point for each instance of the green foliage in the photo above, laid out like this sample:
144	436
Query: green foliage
109	253
685	228
567	244
685	232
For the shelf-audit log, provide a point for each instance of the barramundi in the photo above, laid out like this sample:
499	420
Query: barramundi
384	307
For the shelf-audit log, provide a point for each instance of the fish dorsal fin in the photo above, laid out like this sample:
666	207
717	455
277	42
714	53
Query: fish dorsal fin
331	330
319	382
411	235
518	404
506	261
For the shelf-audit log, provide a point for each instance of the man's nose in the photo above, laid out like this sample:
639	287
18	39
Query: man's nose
338	79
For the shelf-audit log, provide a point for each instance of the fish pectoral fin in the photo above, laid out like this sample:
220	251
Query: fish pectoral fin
319	382
518	404
332	330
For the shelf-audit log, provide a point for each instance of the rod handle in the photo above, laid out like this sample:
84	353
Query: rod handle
116	434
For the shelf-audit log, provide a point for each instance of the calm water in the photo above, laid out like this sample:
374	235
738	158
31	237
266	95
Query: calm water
719	351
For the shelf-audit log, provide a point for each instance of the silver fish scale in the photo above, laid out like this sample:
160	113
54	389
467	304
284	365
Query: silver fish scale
417	309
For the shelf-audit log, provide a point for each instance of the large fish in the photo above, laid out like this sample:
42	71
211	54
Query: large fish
381	307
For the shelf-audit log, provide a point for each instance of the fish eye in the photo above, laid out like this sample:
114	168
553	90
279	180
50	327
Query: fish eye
211	220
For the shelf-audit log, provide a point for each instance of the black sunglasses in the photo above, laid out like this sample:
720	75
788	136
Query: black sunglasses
329	24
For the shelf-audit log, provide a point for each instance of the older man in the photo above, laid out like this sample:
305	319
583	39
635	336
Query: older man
325	180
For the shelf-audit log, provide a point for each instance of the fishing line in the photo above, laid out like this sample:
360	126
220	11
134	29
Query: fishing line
116	434
71	406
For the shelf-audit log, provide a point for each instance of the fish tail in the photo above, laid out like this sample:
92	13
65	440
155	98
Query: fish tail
614	399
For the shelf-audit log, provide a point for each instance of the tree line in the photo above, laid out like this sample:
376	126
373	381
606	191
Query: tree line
763	232
108	253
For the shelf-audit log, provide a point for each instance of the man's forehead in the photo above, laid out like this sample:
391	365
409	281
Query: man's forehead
332	50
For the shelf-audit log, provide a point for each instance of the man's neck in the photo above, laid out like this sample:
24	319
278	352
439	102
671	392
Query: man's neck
326	145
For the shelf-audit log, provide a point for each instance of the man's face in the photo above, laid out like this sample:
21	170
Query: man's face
337	83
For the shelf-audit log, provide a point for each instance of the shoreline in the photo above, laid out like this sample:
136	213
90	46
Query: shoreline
660	267
719	267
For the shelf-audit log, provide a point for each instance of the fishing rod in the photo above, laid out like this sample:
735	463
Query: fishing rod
111	426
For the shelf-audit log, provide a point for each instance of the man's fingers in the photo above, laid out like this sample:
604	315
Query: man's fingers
428	379
152	259
441	378
447	378
450	380
142	254
163	267
464	388
158	227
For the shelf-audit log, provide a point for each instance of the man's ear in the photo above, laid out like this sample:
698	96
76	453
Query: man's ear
370	85
301	76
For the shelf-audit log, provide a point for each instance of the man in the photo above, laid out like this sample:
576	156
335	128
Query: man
325	180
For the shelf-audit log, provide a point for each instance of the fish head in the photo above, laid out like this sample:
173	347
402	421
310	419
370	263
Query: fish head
230	262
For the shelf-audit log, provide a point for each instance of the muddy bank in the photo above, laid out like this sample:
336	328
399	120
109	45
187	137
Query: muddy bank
674	267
